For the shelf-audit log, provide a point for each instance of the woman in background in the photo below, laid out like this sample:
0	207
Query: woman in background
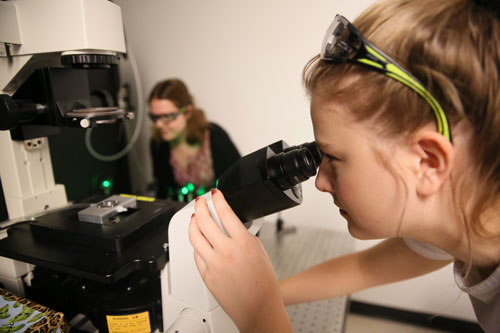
188	152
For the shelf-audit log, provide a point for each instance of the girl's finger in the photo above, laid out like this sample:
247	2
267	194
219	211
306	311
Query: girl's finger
231	222
200	263
200	244
206	224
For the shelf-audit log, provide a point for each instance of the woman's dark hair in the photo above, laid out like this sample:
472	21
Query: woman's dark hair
177	92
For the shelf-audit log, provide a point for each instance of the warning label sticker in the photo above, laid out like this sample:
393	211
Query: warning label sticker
133	323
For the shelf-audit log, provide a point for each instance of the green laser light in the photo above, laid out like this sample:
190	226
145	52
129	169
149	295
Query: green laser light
184	190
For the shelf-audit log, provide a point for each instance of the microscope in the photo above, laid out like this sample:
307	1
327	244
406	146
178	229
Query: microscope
56	69
124	261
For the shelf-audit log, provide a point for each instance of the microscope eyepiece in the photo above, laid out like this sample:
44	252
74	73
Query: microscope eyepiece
313	149
268	180
294	165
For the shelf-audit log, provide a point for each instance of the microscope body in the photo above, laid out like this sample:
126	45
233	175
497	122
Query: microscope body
188	305
34	38
36	35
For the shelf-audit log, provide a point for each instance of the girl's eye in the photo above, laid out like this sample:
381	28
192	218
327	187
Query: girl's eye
329	158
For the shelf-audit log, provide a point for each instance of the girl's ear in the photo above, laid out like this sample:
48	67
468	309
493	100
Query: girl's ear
435	158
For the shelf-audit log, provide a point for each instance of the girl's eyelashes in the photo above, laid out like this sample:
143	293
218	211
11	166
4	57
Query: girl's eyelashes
329	158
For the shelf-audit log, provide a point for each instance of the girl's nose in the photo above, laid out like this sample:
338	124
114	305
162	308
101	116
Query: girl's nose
323	182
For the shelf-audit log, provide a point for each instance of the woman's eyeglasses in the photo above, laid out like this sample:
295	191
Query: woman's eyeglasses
168	116
344	43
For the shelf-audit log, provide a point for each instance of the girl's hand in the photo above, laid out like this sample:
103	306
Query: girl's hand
236	269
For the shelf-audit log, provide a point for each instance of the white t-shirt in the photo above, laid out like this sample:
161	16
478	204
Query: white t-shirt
483	287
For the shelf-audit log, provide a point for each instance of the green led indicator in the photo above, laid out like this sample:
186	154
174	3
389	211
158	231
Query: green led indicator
184	190
217	183
190	187
106	185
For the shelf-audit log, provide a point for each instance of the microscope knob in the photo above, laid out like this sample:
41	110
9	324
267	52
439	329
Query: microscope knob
15	112
88	60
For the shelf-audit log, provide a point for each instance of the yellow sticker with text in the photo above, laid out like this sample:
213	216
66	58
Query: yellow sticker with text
133	323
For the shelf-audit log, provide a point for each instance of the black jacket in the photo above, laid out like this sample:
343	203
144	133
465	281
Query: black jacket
224	154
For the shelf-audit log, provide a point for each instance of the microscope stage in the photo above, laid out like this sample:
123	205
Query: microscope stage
103	253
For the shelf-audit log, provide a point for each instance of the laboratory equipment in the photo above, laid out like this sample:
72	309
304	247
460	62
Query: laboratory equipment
106	259
56	69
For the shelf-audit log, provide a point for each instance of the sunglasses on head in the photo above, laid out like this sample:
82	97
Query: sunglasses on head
344	43
168	116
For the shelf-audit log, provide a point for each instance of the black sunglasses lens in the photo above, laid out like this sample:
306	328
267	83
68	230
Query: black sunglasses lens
341	41
167	117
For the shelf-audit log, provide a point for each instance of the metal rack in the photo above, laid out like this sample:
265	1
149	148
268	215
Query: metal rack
294	249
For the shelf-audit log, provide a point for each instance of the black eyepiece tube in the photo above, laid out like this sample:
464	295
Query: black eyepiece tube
294	165
268	180
290	168
313	149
